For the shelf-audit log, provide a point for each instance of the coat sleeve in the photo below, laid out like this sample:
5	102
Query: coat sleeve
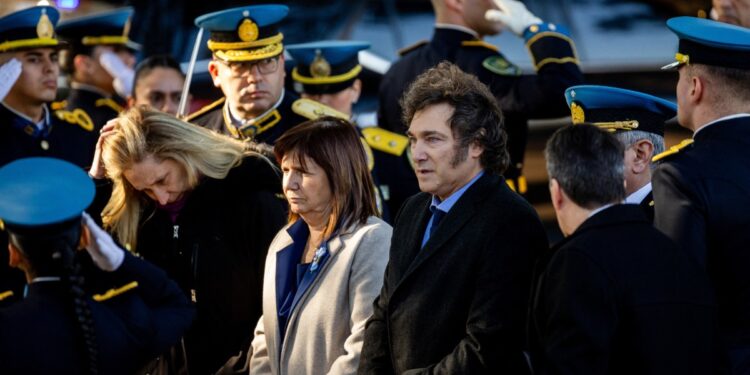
576	317
678	211
260	362
365	281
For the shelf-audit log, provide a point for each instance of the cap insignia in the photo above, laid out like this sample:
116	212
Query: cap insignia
44	28
320	67
577	114
248	31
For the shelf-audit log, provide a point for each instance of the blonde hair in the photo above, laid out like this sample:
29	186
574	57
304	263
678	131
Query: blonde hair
140	133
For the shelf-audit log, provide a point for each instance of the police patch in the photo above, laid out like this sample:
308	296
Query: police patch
499	65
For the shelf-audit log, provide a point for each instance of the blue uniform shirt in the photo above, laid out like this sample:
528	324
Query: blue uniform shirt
446	205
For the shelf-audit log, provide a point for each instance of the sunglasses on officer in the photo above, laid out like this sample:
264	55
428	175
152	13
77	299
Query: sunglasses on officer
241	69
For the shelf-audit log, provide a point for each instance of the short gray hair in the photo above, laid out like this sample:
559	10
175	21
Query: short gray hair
629	138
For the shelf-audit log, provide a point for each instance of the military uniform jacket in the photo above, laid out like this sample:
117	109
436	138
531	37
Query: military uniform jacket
216	251
702	199
38	334
216	117
618	297
458	305
95	105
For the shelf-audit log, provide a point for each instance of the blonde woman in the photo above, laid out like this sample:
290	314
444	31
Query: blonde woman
204	208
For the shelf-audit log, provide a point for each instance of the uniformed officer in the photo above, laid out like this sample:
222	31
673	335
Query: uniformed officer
27	126
327	72
702	191
99	58
457	38
248	66
637	121
59	327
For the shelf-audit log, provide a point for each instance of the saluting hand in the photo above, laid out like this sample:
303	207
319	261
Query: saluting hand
98	170
103	250
9	73
513	14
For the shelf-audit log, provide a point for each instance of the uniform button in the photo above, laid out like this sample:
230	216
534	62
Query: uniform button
534	28
45	145
392	143
552	27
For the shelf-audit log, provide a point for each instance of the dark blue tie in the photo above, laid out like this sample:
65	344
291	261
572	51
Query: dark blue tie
437	216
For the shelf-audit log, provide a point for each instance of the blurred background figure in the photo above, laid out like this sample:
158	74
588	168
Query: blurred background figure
328	72
736	12
326	266
158	83
99	60
616	296
59	327
201	206
248	66
637	121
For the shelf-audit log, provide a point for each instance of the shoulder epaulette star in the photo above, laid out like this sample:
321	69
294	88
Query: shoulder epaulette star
413	47
385	141
115	292
673	150
205	109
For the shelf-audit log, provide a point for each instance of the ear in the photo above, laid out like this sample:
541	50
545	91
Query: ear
644	151
697	88
356	89
82	63
131	101
456	6
15	258
556	194
85	239
213	70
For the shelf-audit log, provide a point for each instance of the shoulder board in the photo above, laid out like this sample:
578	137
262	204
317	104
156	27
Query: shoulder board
673	150
107	102
6	294
115	292
479	43
312	110
385	141
499	65
407	49
205	109
58	105
76	117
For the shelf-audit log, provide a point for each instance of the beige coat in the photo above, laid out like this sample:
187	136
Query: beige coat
326	328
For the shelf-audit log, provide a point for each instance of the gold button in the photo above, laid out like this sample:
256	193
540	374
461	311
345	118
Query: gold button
534	28
45	145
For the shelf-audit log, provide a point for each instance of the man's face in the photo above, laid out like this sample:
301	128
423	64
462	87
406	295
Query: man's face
442	167
38	81
736	12
473	14
159	88
684	108
251	87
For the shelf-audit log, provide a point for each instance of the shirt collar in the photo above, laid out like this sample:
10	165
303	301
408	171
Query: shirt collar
600	209
449	202
40	125
639	195
725	118
239	123
458	28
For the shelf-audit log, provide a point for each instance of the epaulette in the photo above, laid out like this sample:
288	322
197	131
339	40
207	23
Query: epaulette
312	110
673	150
107	102
6	294
205	109
480	43
385	141
76	117
407	49
58	105
112	293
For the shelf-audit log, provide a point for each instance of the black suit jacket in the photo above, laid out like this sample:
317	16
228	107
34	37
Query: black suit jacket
458	305
618	297
38	335
702	199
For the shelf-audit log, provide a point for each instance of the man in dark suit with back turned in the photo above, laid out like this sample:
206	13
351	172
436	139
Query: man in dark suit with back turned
616	296
456	287
702	192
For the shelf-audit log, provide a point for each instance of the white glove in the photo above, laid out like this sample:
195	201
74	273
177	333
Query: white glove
122	74
102	248
9	73
513	14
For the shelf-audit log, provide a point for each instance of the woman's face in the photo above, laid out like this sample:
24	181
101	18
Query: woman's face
164	181
306	189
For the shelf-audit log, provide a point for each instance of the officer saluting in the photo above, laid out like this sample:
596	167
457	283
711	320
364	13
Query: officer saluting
99	57
248	66
637	121
702	191
58	327
326	75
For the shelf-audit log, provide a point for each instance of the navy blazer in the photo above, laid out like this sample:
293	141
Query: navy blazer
458	305
38	334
